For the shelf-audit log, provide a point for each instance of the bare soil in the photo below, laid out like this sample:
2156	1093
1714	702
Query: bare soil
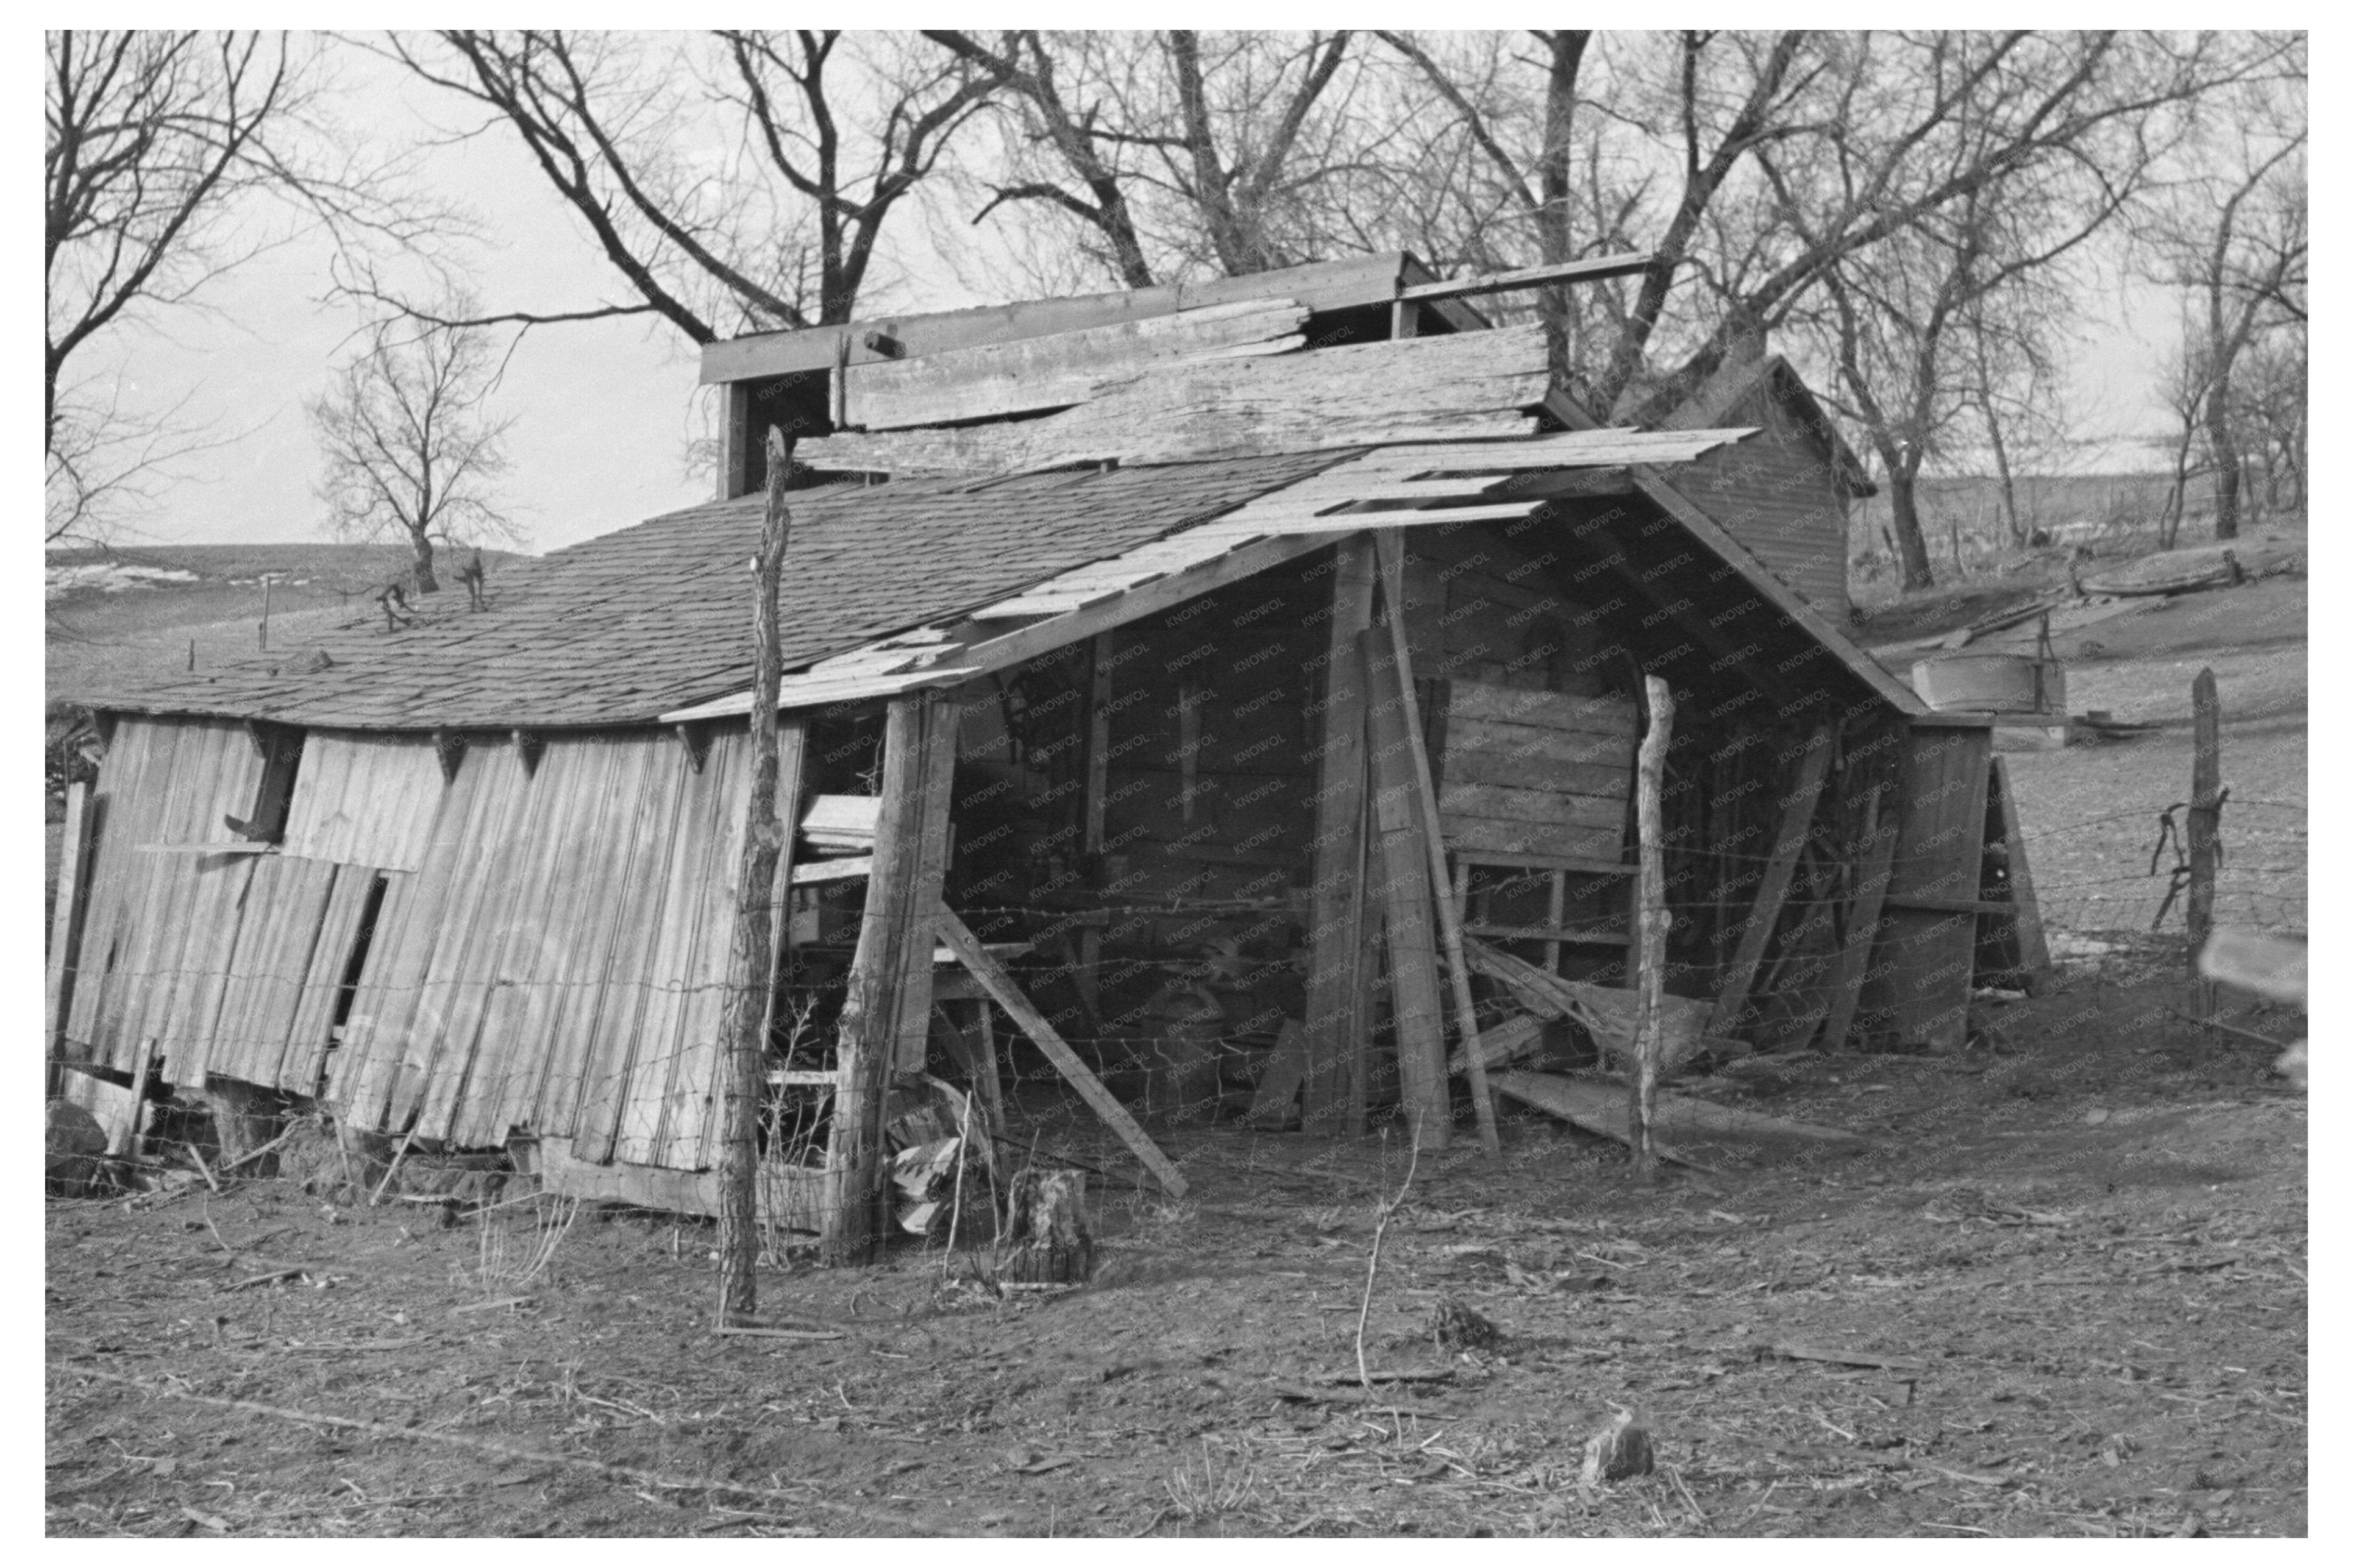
2085	1237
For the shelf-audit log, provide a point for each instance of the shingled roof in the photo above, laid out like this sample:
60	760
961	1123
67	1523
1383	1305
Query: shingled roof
626	627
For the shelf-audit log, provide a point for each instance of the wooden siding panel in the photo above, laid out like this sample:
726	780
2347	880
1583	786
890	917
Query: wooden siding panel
311	1034
286	903
365	800
631	883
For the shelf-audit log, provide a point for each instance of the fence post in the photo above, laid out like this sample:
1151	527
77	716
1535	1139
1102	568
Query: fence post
1651	920
2205	828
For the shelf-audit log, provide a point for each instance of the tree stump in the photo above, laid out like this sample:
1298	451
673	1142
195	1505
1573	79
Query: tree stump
1048	1240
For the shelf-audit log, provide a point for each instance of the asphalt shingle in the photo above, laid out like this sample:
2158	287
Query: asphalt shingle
628	626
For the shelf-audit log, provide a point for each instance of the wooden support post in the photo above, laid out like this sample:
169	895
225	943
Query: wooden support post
2026	913
65	921
1337	1025
751	978
1788	840
892	966
1449	917
1652	920
1862	919
142	1068
736	452
1406	895
2205	827
1023	1012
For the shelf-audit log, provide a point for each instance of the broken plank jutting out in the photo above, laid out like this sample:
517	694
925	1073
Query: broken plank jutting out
1027	375
1467	385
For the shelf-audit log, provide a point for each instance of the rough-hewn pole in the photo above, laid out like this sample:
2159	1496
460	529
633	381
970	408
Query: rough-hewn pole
2205	827
1651	920
749	974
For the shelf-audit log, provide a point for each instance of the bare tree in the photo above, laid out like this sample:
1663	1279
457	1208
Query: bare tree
167	153
1174	154
768	216
409	451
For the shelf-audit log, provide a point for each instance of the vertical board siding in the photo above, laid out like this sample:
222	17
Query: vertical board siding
553	962
551	952
286	904
692	1104
159	936
364	800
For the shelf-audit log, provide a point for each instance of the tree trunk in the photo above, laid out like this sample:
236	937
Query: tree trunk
2008	481
421	569
751	970
1903	506
2225	453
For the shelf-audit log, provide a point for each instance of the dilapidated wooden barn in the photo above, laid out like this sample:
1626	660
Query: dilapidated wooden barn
1092	723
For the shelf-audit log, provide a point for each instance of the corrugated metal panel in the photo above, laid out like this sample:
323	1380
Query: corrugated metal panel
364	800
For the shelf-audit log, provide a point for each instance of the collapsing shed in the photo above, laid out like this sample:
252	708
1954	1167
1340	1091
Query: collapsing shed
1094	719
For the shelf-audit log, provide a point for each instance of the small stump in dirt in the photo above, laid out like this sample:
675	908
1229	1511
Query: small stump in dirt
1619	1452
1459	1327
1047	1239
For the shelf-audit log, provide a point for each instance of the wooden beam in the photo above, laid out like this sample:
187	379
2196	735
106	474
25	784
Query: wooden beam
1278	1086
1336	1028
1788	838
1449	919
893	949
975	957
1405	893
1033	374
1322	287
2026	911
2205	825
1590	269
736	447
65	921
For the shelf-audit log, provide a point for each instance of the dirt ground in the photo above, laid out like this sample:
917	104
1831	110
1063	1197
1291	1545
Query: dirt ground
2082	1246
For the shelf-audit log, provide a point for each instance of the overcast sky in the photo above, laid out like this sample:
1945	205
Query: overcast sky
605	410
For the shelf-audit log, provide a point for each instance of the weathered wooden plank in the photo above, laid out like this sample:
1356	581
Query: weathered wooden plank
1863	927
1507	803
975	957
1557	710
1323	286
1592	269
1404	892
1539	745
66	919
1482	835
299	1067
1469	384
1526	771
991	380
1788	838
1335	1025
790	1197
629	977
1391	548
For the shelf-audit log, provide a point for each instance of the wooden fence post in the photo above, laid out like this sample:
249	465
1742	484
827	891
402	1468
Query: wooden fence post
750	971
1651	921
2205	828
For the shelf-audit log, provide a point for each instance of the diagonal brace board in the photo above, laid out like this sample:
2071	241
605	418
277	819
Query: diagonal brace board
1797	817
999	986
